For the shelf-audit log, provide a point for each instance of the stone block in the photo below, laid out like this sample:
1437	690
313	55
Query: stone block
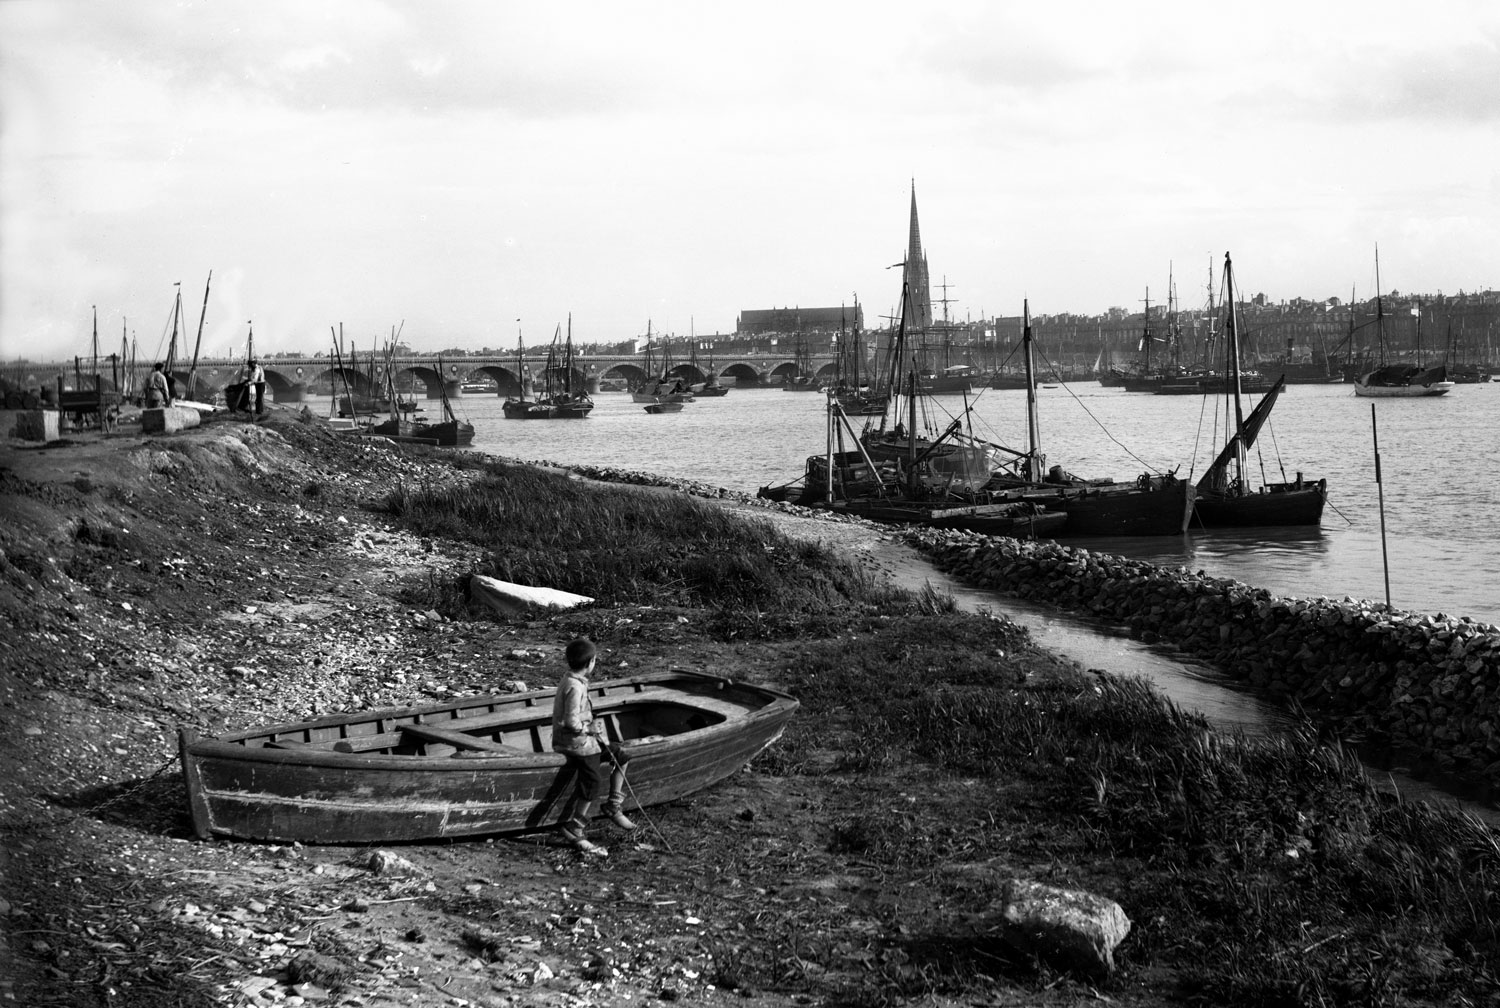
1071	929
37	425
169	419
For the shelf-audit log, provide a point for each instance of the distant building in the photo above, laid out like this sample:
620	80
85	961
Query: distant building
758	321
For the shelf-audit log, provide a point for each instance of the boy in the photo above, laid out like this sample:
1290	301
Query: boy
576	735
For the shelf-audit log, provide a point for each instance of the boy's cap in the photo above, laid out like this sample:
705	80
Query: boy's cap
579	652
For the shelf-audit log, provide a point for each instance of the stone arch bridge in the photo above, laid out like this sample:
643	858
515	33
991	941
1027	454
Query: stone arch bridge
291	378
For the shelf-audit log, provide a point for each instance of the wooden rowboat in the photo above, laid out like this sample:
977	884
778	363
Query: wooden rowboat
476	765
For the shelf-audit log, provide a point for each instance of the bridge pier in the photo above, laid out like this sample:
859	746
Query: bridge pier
452	387
296	392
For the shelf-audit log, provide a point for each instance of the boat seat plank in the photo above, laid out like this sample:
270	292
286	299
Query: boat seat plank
427	733
724	707
497	719
291	744
365	743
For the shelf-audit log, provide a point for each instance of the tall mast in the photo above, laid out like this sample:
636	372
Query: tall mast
1379	309
1146	330
1421	357
125	357
96	347
1232	363
1033	436
199	341
176	317
1172	341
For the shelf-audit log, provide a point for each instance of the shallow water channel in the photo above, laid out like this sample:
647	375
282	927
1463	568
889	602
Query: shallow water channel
1191	685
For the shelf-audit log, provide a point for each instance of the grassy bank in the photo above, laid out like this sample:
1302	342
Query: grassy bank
1255	873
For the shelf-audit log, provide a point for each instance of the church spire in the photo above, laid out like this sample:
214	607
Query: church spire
914	275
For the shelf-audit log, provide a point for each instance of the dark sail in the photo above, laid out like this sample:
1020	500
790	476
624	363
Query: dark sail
1216	478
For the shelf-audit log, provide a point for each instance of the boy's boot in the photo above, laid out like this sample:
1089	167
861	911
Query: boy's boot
572	831
614	807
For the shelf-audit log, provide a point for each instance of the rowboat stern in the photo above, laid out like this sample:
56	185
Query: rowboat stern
197	800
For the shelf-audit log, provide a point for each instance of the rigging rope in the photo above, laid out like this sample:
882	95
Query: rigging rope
1100	424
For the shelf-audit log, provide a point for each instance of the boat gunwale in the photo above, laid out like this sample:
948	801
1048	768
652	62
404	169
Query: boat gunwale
230	746
213	749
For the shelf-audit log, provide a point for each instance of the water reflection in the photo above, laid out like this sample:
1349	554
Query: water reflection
1249	549
1094	644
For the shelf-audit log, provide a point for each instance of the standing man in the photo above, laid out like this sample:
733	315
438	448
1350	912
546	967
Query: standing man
158	388
254	376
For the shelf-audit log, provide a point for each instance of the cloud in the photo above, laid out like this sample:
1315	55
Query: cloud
1460	84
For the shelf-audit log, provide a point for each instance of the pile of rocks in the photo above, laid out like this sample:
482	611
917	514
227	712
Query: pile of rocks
1421	684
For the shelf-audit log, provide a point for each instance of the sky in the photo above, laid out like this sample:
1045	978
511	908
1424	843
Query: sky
467	172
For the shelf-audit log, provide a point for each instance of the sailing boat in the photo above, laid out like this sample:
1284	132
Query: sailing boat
396	426
1148	505
1141	375
518	407
1398	381
659	389
804	380
711	385
564	400
450	431
967	463
853	392
1225	497
917	489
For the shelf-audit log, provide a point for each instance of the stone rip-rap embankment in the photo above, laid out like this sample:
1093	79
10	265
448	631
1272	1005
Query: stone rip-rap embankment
1423	686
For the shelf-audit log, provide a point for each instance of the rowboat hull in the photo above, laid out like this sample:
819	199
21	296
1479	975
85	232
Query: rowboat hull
448	433
480	765
1403	391
1163	507
1280	504
1403	382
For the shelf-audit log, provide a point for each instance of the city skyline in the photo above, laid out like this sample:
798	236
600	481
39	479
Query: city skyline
468	173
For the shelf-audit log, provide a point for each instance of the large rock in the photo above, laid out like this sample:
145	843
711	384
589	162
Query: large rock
169	419
33	425
511	600
1069	929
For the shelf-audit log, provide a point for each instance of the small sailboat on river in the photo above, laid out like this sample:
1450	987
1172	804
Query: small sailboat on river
660	389
1398	381
1225	497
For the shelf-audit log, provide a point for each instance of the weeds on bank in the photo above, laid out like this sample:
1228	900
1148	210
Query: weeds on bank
1264	872
622	544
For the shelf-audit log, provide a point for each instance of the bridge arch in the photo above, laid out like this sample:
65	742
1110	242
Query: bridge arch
744	375
631	374
507	380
